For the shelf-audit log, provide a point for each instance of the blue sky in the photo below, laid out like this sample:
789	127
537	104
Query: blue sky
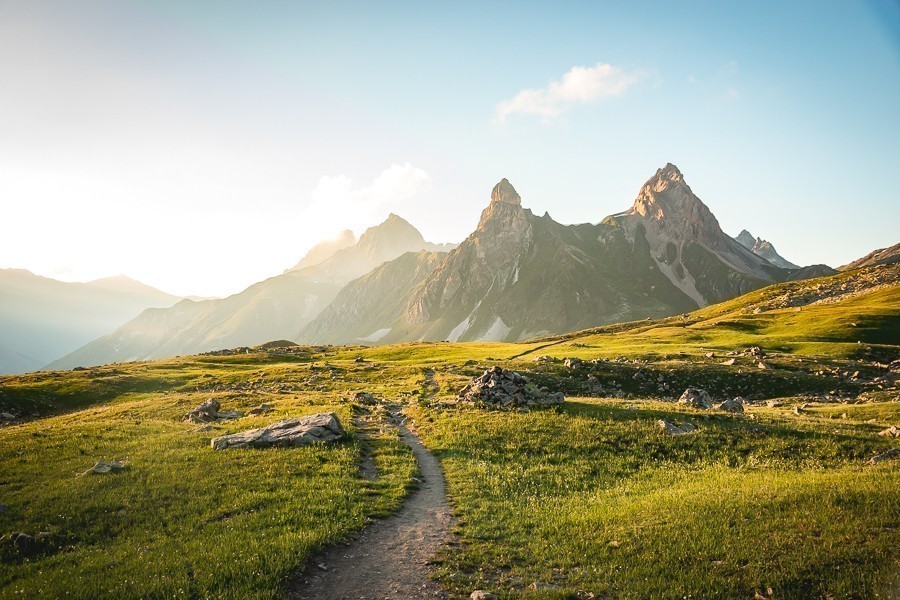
202	146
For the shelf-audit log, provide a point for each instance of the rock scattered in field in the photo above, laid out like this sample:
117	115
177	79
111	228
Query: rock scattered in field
773	403
364	398
5	416
728	362
102	467
574	363
482	595
540	586
892	431
732	406
594	385
696	397
208	412
499	388
892	453
761	365
673	429
25	544
301	431
261	409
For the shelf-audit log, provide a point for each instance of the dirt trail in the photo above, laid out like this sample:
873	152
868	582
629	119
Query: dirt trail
389	559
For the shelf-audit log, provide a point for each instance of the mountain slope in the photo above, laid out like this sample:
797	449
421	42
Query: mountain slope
883	256
764	248
276	308
518	275
371	300
42	319
324	250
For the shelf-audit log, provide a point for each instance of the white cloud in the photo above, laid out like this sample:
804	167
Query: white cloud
337	204
580	85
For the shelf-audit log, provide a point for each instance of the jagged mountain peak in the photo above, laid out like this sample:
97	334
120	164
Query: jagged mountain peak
505	192
669	207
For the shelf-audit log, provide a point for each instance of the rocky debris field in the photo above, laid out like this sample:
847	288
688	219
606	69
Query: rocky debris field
504	389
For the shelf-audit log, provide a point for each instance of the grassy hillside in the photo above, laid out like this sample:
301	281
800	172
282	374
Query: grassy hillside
588	498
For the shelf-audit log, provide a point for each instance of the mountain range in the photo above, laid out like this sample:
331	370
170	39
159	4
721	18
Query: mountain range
42	319
516	276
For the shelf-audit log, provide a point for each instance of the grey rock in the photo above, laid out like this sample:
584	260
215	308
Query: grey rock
696	397
5	416
892	453
261	409
732	406
892	431
103	467
207	412
301	431
482	595
673	429
507	390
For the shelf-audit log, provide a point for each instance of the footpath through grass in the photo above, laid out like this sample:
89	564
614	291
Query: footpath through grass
595	499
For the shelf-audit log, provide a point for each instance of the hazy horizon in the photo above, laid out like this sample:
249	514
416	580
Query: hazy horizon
201	147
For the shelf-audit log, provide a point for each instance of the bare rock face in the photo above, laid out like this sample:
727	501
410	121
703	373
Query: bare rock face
697	398
504	389
505	192
670	207
301	431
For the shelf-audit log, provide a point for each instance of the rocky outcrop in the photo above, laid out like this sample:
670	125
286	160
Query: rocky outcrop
301	431
504	389
883	256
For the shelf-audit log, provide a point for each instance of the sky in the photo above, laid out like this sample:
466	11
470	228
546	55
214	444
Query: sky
201	146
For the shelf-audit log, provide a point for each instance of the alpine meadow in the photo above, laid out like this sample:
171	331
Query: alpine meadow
284	313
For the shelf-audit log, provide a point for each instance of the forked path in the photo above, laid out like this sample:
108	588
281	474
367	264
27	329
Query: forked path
390	558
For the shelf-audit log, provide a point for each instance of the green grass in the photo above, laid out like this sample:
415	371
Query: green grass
594	498
181	520
591	498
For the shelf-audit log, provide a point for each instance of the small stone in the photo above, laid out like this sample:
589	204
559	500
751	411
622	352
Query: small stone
322	567
672	429
540	586
5	416
892	453
102	467
732	406
762	365
892	431
482	595
261	409
728	362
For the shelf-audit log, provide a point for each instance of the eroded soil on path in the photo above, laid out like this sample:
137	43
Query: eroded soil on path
391	558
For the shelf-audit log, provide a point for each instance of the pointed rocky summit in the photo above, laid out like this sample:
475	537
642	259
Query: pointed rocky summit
505	192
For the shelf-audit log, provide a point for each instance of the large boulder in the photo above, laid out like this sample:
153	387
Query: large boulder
504	389
696	397
300	431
